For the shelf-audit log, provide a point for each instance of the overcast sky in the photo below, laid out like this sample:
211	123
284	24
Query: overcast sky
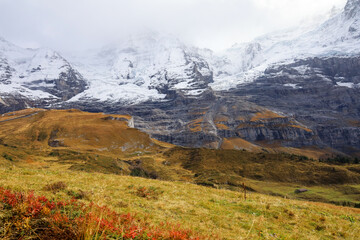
217	24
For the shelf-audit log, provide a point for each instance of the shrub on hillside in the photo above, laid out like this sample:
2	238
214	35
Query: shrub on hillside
80	194
8	157
146	192
341	160
55	187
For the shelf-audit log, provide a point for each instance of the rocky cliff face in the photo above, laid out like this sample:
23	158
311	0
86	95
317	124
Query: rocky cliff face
207	120
322	93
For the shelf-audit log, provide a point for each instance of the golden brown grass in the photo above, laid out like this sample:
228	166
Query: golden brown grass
301	127
221	118
207	210
310	152
221	126
265	115
238	143
195	125
75	130
24	112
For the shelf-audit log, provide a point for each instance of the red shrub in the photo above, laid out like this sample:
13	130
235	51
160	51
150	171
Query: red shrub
30	215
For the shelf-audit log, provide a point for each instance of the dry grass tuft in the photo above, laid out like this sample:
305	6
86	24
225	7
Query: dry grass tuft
80	194
55	187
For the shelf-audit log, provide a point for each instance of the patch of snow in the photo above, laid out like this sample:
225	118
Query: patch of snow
112	92
194	92
347	84
295	86
302	69
17	89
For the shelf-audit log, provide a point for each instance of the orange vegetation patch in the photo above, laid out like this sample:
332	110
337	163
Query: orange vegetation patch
221	119
265	115
163	144
354	123
301	127
222	126
240	118
195	125
30	161
239	143
198	113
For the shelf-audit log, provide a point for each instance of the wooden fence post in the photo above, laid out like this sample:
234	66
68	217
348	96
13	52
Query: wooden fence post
244	187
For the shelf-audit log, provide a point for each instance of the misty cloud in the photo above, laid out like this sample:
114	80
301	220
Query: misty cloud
217	24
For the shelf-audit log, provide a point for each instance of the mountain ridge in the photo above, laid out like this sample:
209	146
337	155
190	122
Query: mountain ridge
146	66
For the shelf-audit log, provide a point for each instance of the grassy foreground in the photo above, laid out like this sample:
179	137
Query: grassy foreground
207	211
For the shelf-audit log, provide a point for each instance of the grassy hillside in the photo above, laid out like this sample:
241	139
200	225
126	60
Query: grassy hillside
206	211
274	174
92	157
95	142
38	129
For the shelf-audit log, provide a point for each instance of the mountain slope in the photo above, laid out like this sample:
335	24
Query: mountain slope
317	86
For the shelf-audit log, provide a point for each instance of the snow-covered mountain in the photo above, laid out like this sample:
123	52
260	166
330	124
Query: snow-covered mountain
37	74
335	34
149	66
143	67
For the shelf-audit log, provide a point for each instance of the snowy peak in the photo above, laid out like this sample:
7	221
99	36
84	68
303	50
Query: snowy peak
37	73
144	67
336	35
47	62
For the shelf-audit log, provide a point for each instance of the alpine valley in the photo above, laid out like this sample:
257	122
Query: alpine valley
152	138
289	90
